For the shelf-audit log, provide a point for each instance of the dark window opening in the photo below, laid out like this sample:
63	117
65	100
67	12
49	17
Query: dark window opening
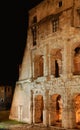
34	43
34	19
34	35
56	69
5	90
60	3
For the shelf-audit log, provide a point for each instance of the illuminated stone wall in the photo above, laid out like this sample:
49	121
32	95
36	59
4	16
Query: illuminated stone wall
48	67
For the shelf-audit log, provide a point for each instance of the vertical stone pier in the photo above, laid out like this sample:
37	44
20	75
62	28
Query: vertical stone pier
68	115
46	109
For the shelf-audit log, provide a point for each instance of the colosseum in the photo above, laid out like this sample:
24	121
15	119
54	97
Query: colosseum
48	89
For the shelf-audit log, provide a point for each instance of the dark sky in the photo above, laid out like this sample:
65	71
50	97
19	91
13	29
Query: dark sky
14	21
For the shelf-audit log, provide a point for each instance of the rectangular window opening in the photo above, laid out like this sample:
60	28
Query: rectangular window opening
34	34
60	3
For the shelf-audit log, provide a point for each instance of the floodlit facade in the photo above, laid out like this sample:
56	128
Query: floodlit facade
48	89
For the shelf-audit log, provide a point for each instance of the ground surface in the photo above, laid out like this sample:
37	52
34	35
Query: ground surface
6	124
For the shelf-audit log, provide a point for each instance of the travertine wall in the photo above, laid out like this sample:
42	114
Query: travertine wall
41	77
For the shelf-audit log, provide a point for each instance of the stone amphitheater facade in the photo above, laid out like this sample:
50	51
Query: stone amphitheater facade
48	89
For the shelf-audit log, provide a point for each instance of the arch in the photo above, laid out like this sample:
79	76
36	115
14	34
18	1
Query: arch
56	62
38	66
76	58
55	109
38	108
59	107
77	107
75	45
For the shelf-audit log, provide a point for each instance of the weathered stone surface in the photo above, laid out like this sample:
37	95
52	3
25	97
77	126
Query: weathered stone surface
50	67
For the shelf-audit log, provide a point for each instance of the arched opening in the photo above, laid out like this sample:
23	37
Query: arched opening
39	109
38	66
77	61
59	107
56	62
77	108
56	109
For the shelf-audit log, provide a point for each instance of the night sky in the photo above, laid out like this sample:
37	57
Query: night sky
14	21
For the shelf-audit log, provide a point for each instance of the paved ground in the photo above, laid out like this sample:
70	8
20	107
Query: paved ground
6	124
31	127
9	125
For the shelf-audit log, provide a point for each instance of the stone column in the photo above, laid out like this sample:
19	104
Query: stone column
33	108
52	112
49	64
68	118
68	114
20	112
32	66
46	110
64	61
45	57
